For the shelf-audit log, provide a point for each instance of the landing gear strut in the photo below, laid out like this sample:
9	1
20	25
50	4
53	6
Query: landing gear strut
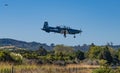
74	36
65	32
65	35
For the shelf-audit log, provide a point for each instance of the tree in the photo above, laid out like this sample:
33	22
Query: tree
65	50
118	55
92	45
16	57
41	51
98	52
2	55
80	55
93	52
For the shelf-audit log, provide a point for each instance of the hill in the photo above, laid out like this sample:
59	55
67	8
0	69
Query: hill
23	44
36	45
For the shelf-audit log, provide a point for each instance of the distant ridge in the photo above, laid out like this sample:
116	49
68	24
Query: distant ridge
23	44
36	45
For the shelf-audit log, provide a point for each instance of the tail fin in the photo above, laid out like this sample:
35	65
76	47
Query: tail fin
45	24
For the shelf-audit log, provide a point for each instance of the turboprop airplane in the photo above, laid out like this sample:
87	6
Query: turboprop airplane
60	29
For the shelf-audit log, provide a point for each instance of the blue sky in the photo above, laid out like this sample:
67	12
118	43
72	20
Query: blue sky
23	20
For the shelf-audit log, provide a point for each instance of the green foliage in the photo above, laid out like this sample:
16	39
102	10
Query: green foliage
31	55
65	53
106	54
10	56
97	52
118	54
93	52
106	69
117	70
5	56
2	55
65	50
50	57
5	70
103	69
102	62
16	57
80	55
41	51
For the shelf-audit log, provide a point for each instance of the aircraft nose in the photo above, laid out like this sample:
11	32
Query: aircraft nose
42	29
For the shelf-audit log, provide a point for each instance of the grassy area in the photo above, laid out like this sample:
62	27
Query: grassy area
33	68
71	68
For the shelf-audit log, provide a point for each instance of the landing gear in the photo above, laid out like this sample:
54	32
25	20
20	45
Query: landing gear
65	32
65	35
74	36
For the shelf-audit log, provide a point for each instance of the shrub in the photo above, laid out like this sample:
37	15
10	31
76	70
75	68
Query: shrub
16	57
117	70
2	55
104	69
5	56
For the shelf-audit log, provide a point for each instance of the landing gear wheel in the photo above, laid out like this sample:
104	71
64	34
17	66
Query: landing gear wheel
65	34
74	36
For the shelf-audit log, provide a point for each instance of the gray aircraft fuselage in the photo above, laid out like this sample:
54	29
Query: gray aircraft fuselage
63	30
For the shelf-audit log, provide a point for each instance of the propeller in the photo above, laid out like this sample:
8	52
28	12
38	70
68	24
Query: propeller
80	30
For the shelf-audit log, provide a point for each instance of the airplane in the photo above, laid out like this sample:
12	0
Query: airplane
60	29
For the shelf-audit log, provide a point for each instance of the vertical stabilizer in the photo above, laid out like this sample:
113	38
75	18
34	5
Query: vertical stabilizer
45	24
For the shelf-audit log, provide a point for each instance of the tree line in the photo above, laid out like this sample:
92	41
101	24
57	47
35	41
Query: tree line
63	55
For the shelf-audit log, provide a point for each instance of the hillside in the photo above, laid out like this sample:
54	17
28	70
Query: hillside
23	44
36	45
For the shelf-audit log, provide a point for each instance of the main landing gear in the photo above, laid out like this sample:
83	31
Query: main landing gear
74	36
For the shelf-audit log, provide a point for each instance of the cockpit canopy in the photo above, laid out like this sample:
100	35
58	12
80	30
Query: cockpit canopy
63	27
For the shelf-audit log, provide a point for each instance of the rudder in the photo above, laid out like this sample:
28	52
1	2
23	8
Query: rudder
45	25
